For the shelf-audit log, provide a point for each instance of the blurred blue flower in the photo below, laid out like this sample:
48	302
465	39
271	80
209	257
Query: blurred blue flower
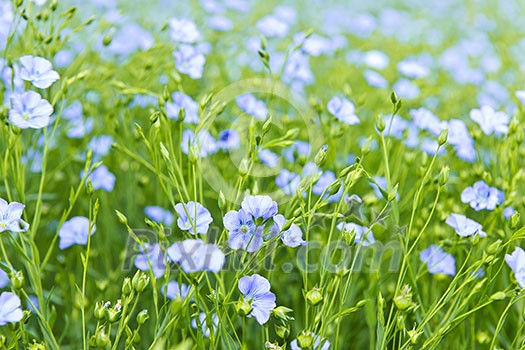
362	234
228	139
220	23
102	178
464	226
10	310
204	324
508	212
130	38
183	31
173	290
375	79
4	279
406	89
343	110
272	27
412	69
269	158
158	214
193	255
252	106
259	206
204	144
375	59
490	121
30	110
426	120
293	237
74	231
193	217
288	181
181	100
520	94
438	261
100	145
152	255
38	71
395	126
480	196
299	149
11	217
188	60
243	233
516	262
256	290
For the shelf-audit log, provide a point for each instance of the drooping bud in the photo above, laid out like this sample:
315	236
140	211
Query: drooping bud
142	317
314	296
320	157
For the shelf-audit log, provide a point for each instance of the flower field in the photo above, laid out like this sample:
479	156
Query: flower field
239	174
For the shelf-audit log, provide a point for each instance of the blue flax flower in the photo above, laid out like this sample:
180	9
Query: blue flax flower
11	217
181	100
256	289
319	344
183	31
464	226
38	71
293	237
243	233
193	255
74	231
490	121
343	110
480	196
102	178
252	106
152	255
193	217
259	206
30	110
438	261
362	233
188	60
173	290
158	214
516	262
10	311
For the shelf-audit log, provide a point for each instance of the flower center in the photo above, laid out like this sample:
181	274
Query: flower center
244	229
26	116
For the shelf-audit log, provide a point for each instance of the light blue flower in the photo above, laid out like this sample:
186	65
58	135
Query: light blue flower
152	255
183	31
193	217
272	27
520	94
464	226
38	71
100	145
480	196
158	214
288	181
490	121
343	110
516	262
228	139
10	310
193	255
220	23
203	145
362	234
508	212
74	231
188	60
259	206
406	89
102	178
11	217
252	106
243	233
426	120
300	149
412	69
129	39
256	290
375	79
4	279
293	237
30	110
181	100
438	261
269	158
204	323
173	290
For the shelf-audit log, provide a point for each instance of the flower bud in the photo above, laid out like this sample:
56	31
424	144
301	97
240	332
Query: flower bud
514	220
443	136
121	217
36	346
17	279
282	331
101	339
140	281
243	307
393	97
413	335
320	157
100	310
127	288
222	200
334	187
493	248
367	146
267	125
380	123
305	339
404	300
142	317
443	175
281	312
314	296
498	296
392	194
243	168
